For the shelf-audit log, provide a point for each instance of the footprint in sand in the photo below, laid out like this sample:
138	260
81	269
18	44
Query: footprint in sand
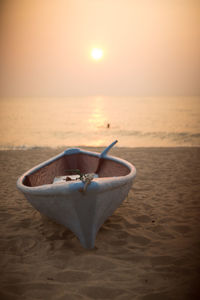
162	260
181	228
101	292
143	219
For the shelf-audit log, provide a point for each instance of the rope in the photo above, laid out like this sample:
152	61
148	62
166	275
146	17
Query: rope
87	179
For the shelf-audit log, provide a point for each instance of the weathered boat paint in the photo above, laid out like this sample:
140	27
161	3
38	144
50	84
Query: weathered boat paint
82	213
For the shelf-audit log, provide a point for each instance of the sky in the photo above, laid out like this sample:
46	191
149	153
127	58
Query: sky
150	47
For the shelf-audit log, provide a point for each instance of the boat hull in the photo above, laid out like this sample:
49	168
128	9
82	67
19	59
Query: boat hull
82	213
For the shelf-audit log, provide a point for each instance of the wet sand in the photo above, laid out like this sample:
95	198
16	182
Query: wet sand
149	249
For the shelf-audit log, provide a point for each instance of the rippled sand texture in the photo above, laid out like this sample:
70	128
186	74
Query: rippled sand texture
149	249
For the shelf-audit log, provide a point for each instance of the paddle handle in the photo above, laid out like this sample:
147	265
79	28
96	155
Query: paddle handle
105	151
103	154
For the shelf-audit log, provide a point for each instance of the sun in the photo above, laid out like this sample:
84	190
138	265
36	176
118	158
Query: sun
97	53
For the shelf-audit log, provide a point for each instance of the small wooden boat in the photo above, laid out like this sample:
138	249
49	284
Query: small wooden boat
82	201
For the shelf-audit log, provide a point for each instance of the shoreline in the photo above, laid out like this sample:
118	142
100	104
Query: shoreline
62	148
148	249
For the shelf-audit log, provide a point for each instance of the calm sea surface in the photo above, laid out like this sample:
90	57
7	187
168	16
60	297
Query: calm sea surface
135	122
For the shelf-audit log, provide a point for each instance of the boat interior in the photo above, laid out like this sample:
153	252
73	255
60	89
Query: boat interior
66	165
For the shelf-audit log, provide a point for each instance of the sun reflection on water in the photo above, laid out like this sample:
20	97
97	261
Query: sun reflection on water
98	121
97	118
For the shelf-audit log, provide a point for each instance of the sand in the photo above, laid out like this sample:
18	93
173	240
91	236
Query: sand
149	249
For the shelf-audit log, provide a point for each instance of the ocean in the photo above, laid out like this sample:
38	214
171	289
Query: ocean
96	121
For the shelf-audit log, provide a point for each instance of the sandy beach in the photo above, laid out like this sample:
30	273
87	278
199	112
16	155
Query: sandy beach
148	249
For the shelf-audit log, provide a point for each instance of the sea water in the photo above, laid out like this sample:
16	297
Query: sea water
97	121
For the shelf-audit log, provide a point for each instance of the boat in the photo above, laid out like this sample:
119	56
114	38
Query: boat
79	189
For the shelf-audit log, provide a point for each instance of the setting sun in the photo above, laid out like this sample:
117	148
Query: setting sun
97	53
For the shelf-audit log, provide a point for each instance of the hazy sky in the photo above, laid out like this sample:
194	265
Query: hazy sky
151	47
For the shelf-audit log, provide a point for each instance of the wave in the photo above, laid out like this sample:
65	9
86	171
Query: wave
19	147
160	134
127	137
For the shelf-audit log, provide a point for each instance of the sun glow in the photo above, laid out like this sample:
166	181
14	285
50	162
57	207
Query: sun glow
97	53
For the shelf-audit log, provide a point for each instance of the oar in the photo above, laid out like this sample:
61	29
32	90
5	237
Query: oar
103	154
